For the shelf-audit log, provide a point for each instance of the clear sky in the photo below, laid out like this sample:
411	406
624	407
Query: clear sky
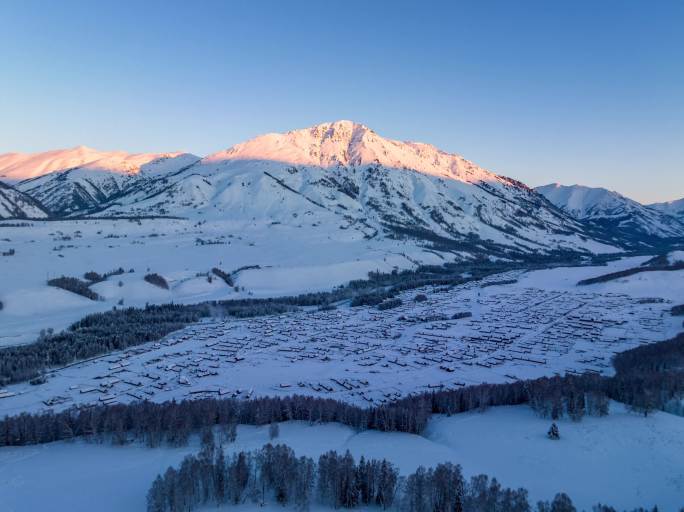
575	92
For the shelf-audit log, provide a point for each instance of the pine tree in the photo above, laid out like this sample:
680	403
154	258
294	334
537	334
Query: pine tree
156	499
553	432
562	503
220	477
273	431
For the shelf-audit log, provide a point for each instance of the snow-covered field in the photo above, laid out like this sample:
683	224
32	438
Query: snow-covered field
543	324
623	459
179	250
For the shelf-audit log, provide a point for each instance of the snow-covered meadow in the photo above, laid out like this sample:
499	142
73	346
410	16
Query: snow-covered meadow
623	459
183	251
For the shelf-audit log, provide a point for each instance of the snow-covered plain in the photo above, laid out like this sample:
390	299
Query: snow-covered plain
543	324
623	459
292	261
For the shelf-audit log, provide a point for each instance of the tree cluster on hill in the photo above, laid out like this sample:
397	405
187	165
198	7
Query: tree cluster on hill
372	299
93	276
157	280
502	282
390	304
223	275
96	277
96	334
74	285
630	272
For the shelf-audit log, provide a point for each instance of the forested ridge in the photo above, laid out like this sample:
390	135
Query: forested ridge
630	272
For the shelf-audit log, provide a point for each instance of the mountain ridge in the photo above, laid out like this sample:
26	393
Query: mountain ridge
674	208
612	212
340	174
80	179
346	174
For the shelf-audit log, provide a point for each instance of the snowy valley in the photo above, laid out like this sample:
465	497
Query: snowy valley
358	273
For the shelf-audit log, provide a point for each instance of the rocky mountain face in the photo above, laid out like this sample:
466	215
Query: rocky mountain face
17	205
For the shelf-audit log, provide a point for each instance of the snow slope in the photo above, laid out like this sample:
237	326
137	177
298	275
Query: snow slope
674	208
612	211
292	259
80	179
17	205
623	459
15	167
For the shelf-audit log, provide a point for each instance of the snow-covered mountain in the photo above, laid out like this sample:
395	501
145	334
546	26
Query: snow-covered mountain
81	179
674	208
345	175
17	205
615	214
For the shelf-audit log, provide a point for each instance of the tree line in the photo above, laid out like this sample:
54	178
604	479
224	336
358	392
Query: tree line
74	285
276	474
630	272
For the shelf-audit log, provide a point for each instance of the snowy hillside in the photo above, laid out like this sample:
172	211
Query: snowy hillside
17	205
345	176
80	179
612	212
674	208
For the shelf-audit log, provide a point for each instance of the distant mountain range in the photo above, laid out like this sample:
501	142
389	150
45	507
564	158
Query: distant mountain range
616	216
79	180
345	176
674	208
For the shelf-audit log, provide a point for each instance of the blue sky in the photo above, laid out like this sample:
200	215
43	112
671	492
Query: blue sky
575	92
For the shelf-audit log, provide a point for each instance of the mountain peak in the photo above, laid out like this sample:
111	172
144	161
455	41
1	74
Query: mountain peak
343	126
349	144
83	149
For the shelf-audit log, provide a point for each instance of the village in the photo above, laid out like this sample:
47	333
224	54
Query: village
493	330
